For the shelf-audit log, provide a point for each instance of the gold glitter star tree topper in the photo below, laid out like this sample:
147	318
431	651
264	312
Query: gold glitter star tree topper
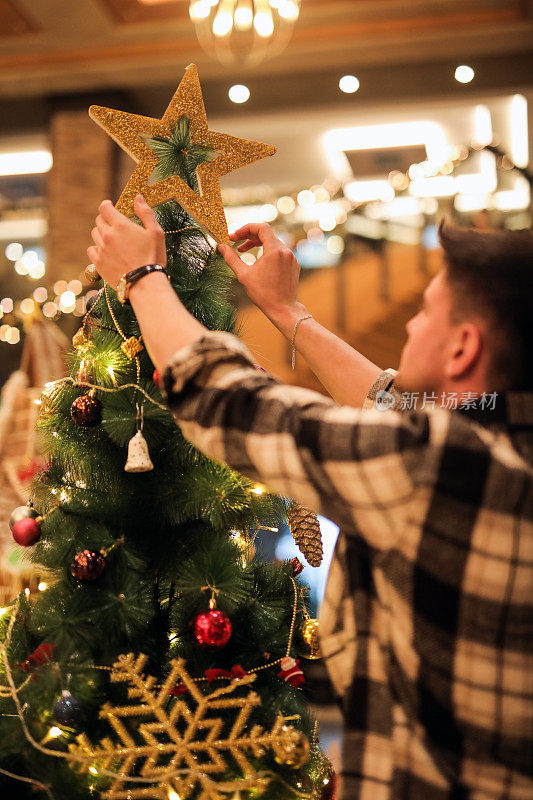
131	130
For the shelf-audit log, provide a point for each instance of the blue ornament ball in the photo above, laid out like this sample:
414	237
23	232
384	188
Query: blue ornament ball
68	710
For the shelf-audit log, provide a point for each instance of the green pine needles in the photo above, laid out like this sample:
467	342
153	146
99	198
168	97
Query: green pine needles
166	536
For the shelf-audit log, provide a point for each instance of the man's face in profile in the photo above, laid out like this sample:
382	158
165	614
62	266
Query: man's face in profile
423	359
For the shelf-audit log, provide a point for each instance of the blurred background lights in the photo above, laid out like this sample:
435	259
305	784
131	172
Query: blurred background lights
37	270
25	163
200	10
67	301
306	198
327	221
269	212
287	9
464	74
49	309
7	305
40	294
321	194
14	251
286	205
349	84
223	23
27	306
60	287
264	23
239	93
75	286
20	268
335	244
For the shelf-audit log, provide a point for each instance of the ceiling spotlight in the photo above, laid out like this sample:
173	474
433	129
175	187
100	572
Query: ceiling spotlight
349	84
239	93
464	74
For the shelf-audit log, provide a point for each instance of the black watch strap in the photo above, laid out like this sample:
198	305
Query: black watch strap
135	274
129	278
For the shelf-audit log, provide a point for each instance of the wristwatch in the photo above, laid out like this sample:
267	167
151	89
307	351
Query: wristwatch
129	278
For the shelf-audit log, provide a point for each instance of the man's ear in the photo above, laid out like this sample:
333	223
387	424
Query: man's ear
466	348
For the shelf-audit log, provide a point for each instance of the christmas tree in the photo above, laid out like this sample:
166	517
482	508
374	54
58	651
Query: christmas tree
161	661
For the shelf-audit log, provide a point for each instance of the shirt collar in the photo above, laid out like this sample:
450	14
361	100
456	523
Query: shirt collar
511	409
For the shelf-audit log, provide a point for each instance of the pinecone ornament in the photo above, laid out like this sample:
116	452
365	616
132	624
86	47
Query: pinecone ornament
305	530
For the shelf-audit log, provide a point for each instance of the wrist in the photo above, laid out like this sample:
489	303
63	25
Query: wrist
286	317
155	280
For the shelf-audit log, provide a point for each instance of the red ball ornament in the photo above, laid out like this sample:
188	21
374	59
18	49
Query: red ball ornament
86	411
87	565
157	378
212	628
22	512
329	786
26	531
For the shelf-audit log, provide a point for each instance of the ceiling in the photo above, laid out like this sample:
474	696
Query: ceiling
53	48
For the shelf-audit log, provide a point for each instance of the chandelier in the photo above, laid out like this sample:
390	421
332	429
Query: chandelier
244	31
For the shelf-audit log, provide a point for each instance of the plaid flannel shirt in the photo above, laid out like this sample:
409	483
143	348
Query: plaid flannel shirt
427	625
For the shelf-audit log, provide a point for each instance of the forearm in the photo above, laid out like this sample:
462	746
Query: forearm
165	323
345	373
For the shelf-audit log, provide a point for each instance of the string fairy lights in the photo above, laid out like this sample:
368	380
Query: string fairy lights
128	668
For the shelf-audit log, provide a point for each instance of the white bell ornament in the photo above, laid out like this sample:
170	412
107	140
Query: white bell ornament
138	456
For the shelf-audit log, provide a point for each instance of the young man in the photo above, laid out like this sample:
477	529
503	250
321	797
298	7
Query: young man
427	627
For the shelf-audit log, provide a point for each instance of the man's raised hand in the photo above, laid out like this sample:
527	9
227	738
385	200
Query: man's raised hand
271	282
120	244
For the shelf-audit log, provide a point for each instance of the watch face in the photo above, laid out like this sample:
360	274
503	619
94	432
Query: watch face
121	290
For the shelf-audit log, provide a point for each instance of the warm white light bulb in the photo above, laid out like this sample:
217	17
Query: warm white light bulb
243	17
239	93
288	9
223	23
349	84
264	24
199	10
54	732
464	74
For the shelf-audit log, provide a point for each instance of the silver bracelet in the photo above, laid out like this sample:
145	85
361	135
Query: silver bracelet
293	357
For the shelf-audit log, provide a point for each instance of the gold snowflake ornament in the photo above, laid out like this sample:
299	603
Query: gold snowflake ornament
183	746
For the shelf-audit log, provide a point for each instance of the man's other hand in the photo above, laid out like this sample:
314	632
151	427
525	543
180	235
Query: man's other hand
271	282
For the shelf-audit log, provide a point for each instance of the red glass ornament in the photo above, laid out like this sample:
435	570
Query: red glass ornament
86	411
212	628
88	565
329	789
157	378
26	531
22	512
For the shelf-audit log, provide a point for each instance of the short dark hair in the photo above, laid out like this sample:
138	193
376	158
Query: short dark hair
491	274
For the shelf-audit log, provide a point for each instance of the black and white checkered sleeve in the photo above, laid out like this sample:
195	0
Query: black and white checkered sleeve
355	467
